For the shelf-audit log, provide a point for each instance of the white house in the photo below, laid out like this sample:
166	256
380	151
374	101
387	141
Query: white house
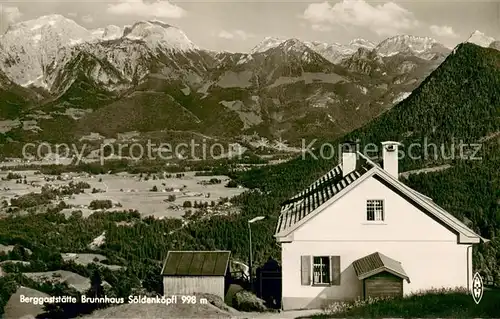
358	232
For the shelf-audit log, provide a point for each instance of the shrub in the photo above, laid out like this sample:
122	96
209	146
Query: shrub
32	200
76	214
62	205
246	301
214	181
204	173
100	204
11	176
187	214
232	184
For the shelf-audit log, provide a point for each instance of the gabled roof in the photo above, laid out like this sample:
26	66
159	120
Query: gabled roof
332	186
327	186
196	263
376	263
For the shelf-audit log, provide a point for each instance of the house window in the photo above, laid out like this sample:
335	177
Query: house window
321	270
375	210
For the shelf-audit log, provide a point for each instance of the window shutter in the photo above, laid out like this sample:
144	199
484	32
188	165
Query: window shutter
335	270
305	268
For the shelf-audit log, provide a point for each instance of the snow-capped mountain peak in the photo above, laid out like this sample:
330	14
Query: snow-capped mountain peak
159	34
422	47
293	45
336	52
405	44
362	43
481	39
31	46
33	52
53	27
333	52
111	32
266	44
52	20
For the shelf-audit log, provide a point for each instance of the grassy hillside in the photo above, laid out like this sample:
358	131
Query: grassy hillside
436	304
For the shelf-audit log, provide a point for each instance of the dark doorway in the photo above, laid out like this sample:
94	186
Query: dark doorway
268	285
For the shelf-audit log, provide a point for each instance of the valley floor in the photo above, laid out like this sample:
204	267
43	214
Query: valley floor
128	191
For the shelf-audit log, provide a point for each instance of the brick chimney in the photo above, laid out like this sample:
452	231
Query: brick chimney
349	157
390	158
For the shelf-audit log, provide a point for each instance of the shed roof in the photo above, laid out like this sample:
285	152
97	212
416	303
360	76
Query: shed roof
196	263
376	263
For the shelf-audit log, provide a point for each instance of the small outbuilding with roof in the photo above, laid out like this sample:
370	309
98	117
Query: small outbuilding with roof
190	272
381	276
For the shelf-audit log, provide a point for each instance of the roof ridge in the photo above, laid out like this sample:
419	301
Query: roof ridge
373	263
196	263
332	171
319	185
294	209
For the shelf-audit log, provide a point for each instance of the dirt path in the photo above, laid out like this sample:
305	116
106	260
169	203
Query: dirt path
425	170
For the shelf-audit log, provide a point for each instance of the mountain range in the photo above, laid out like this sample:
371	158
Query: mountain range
60	81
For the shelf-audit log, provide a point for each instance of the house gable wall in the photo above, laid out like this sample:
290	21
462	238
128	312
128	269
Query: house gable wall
345	219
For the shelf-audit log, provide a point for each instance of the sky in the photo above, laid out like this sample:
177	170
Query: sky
238	25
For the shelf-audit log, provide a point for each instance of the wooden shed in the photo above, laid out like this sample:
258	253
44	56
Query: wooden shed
381	276
189	272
